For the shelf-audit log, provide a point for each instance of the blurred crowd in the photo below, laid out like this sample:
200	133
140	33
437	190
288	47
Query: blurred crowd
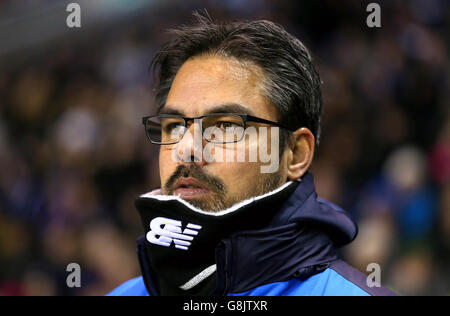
73	153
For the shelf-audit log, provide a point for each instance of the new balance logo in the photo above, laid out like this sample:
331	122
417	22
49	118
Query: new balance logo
169	230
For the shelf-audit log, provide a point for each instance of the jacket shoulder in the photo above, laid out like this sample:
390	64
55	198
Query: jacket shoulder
340	279
358	279
133	287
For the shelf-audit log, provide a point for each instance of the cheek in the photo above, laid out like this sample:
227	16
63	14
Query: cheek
245	152
237	176
166	165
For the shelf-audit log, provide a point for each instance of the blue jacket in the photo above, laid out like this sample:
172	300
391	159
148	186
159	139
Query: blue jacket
295	256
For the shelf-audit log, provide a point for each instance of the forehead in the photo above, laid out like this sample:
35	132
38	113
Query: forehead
206	82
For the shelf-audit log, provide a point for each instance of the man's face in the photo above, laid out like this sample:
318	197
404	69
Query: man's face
212	84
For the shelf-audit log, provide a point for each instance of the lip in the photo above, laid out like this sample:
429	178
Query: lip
189	188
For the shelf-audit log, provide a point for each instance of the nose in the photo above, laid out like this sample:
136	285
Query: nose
190	147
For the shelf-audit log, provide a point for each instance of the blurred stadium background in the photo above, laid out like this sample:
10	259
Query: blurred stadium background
73	154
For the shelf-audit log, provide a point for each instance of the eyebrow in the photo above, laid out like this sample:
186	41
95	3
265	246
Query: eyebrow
171	111
221	108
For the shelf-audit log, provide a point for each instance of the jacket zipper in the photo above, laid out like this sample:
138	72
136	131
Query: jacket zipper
224	263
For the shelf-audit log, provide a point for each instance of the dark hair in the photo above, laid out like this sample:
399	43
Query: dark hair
292	82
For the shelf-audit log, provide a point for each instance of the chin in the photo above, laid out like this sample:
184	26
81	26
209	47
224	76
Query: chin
207	204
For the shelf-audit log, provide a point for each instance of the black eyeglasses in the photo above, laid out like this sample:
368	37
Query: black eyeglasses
219	128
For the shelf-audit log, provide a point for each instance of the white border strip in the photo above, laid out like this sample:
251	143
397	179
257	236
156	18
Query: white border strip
220	213
199	278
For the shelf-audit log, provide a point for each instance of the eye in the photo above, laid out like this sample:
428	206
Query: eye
226	125
172	126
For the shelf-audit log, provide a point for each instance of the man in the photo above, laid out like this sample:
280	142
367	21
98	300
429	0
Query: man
225	222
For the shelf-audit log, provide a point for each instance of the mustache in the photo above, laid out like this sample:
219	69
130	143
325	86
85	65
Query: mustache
194	171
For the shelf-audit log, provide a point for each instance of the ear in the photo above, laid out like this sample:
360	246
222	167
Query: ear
301	153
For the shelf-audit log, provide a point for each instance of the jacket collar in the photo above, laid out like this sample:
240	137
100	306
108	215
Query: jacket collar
299	241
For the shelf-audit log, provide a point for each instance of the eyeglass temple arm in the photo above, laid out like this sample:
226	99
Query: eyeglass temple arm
260	120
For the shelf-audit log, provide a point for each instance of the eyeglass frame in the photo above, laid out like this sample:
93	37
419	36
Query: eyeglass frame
245	118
